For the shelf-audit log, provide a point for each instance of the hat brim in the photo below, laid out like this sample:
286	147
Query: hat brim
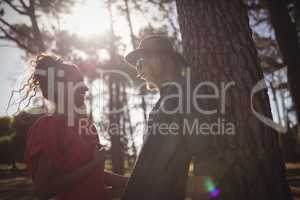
132	57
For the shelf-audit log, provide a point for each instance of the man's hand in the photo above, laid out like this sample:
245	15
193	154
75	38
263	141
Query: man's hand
99	155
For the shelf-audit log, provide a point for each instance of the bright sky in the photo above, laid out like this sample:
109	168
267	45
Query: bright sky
87	19
92	18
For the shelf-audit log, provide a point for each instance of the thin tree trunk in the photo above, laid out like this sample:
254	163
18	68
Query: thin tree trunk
297	4
117	148
286	35
127	118
217	43
134	45
35	28
143	104
132	37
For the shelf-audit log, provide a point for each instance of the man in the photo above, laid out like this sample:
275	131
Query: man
161	170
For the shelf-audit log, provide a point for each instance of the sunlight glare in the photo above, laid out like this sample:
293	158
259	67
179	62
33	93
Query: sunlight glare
88	18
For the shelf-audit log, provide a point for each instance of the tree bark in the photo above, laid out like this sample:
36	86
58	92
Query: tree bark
218	45
286	35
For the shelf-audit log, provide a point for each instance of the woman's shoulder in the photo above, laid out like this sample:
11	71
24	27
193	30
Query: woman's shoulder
50	118
45	123
43	135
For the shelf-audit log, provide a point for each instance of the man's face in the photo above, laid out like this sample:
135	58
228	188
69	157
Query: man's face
152	69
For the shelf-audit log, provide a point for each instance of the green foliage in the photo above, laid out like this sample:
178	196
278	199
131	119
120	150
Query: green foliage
13	139
5	124
22	122
7	134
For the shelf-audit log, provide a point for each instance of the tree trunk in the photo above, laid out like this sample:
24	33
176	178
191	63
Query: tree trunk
217	43
127	119
132	37
134	45
117	146
35	28
286	35
297	4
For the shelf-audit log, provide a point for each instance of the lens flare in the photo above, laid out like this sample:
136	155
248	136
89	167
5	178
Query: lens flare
211	188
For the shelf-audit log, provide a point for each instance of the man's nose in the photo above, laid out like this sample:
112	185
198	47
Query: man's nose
85	88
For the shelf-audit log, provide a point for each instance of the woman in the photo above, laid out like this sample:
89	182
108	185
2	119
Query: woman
66	161
162	167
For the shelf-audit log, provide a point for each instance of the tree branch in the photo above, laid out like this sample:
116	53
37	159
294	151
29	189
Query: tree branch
258	21
162	5
24	4
255	6
12	27
7	45
8	24
175	29
22	12
7	36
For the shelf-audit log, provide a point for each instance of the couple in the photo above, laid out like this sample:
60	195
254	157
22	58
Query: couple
66	165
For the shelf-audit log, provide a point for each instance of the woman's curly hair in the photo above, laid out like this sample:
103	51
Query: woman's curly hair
42	62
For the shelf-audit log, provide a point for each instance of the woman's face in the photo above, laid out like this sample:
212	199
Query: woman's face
75	88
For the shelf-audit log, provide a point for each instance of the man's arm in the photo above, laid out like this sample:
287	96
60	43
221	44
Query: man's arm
115	180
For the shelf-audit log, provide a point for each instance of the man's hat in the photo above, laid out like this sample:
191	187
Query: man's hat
153	44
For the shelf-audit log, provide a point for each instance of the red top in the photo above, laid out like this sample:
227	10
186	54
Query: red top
70	147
